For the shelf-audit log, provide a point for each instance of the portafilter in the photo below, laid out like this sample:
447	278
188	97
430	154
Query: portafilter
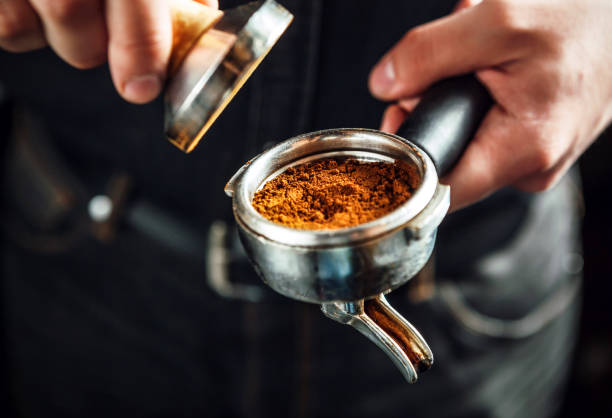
349	270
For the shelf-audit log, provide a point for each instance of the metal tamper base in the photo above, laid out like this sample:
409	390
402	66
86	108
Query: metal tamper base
217	66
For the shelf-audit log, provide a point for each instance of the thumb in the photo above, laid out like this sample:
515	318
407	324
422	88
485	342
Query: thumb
140	38
456	44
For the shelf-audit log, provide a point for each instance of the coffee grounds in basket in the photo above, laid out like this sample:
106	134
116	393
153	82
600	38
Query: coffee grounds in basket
335	193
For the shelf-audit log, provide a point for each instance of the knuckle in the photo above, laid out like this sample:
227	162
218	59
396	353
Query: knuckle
540	184
150	44
14	37
418	39
65	11
10	29
542	159
21	45
86	63
417	47
503	14
552	91
414	35
519	28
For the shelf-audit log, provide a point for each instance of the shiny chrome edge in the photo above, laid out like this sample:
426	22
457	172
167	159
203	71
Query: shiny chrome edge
353	314
190	110
372	141
431	217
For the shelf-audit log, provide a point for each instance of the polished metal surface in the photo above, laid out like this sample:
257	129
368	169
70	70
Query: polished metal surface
404	345
217	66
341	272
342	264
347	269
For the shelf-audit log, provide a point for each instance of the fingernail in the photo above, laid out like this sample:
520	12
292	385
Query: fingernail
383	77
142	89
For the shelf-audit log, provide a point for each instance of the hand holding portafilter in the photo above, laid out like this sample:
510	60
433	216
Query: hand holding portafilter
349	270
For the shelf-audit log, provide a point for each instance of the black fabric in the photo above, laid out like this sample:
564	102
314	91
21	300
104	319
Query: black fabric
130	328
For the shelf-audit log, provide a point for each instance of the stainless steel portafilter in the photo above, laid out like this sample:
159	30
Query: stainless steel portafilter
213	55
348	271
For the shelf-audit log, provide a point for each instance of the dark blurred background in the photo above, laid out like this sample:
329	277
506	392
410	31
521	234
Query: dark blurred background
591	372
588	393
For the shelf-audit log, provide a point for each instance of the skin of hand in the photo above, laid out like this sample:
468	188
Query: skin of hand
547	66
134	36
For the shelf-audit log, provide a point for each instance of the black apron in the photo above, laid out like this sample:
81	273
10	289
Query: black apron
133	322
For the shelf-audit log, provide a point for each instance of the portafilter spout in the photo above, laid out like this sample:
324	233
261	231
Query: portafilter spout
213	54
391	332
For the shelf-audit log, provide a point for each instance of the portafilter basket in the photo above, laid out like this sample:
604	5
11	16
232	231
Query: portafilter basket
349	270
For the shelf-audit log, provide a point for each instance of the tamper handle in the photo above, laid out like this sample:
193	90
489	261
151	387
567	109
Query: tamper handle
446	119
390	331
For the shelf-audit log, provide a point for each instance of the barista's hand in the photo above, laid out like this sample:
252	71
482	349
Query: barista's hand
134	35
547	65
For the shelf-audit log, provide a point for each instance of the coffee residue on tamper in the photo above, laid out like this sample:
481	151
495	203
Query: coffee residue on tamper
335	193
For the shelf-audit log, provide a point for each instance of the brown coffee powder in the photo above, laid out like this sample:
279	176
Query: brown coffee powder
335	193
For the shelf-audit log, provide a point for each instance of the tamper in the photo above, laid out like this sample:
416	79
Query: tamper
213	54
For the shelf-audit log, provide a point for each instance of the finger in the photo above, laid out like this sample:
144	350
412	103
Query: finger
409	104
396	114
392	118
140	37
457	44
541	181
20	28
495	158
75	29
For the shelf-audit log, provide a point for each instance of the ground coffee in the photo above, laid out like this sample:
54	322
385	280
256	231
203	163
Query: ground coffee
335	193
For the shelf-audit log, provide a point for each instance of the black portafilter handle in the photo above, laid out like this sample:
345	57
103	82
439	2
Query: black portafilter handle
446	119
